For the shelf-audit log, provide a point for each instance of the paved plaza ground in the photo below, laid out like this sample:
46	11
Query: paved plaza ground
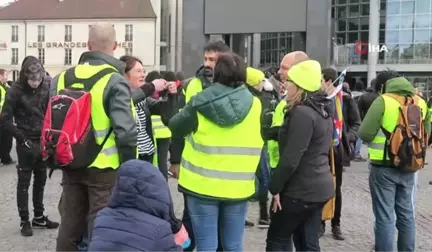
357	218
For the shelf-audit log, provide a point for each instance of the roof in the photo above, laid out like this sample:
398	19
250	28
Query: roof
77	9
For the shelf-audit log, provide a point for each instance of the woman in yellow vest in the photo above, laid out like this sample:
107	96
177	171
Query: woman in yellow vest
135	74
302	182
223	145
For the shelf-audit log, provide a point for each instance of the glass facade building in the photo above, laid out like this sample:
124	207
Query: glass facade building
274	46
405	29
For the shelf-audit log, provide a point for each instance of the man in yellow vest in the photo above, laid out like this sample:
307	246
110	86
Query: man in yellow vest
191	87
222	127
392	190
5	138
86	191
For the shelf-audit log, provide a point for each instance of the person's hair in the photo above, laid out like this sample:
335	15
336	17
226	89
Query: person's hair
130	62
298	97
2	71
329	74
382	79
180	76
169	76
217	46
230	70
373	84
9	82
153	75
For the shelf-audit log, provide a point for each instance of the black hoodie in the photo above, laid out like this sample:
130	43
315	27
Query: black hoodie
305	138
26	105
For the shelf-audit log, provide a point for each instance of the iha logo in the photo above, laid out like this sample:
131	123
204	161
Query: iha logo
363	48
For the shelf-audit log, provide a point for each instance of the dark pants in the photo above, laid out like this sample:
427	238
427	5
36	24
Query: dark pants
29	162
188	225
335	222
5	147
297	221
145	157
85	193
163	145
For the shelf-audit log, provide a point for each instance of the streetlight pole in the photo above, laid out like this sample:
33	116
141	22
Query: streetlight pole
374	23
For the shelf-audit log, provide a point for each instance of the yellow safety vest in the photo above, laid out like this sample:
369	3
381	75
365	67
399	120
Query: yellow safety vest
272	145
160	130
219	161
108	157
2	96
389	120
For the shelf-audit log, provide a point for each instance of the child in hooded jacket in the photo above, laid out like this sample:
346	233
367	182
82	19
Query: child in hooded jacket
139	215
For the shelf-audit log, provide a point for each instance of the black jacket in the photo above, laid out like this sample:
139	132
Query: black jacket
351	125
26	105
305	139
117	104
365	101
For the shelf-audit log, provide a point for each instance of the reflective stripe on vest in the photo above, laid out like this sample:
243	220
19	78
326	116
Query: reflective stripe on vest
2	96
221	161
160	130
272	145
389	121
108	157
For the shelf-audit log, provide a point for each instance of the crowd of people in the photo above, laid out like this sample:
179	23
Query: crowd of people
225	129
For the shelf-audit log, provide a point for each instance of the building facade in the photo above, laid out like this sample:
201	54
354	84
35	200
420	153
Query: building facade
59	43
404	27
260	31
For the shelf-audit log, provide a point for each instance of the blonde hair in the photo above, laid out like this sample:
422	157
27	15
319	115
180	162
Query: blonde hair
298	97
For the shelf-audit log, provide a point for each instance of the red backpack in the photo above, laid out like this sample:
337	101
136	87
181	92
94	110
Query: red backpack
68	140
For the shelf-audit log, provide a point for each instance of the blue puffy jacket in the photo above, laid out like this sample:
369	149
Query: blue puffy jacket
139	214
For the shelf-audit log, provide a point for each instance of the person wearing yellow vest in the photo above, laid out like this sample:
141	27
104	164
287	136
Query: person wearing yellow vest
202	80
5	138
302	181
263	89
392	191
223	145
86	191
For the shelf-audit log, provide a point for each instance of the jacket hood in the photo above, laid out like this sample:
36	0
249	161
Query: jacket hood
101	58
400	86
30	62
141	186
223	105
319	102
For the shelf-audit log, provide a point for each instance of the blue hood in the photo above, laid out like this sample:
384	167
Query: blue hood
141	186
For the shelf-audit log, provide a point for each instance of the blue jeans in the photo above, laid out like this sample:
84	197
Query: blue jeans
263	176
208	214
358	147
393	206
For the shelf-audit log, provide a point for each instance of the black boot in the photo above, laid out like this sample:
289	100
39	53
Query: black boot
26	229
264	220
337	233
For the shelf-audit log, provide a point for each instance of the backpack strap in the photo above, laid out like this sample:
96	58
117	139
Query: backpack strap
70	78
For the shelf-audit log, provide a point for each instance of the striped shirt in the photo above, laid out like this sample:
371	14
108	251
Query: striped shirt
145	144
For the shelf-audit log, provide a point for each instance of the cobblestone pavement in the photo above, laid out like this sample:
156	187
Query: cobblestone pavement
356	214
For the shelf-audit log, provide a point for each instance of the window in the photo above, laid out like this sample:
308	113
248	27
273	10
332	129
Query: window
41	55
41	33
14	33
14	56
128	32
68	56
128	51
68	33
